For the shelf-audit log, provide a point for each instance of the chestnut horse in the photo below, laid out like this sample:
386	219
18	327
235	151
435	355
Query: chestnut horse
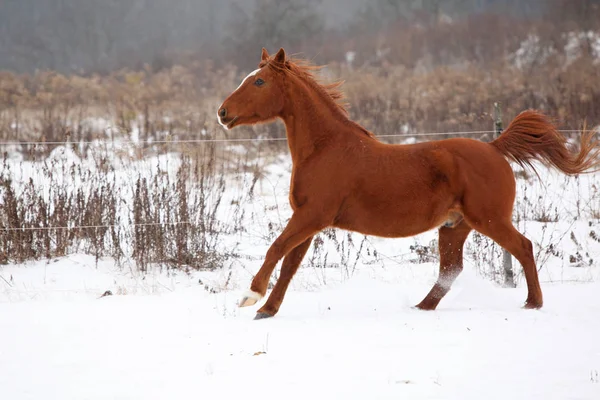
343	177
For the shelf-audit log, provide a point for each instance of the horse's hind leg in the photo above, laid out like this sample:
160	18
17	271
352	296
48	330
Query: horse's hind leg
504	233
451	241
290	265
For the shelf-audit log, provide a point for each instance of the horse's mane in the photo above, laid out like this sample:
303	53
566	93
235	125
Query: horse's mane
304	70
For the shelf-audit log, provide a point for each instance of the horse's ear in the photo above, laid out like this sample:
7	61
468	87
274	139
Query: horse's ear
280	56
265	54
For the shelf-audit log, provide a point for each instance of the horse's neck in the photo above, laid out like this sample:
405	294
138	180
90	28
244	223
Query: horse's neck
309	125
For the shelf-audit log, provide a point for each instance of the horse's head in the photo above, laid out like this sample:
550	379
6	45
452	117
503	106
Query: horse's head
260	96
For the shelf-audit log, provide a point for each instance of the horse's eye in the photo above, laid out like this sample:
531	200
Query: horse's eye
259	82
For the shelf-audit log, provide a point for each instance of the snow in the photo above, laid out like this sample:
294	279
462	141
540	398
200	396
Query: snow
169	338
577	40
533	51
344	331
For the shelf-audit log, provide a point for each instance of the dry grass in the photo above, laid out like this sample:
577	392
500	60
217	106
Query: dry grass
180	102
151	217
173	219
452	99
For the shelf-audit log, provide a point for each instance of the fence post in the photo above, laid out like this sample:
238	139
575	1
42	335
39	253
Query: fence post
509	277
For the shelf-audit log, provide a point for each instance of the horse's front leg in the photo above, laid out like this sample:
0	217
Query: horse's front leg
304	224
290	265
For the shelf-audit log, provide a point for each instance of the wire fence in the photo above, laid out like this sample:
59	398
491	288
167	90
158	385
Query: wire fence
48	228
116	141
187	141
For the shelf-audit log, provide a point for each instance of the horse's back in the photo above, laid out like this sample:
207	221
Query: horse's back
471	153
419	184
459	161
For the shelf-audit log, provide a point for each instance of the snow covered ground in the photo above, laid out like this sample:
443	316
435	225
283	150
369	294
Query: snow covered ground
167	337
341	333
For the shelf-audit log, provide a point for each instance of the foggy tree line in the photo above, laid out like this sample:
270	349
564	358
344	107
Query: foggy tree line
76	35
83	36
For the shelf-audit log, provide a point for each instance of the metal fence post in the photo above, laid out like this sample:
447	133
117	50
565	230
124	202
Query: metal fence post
509	277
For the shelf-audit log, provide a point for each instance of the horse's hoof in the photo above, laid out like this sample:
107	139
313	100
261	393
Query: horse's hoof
423	307
530	305
249	298
262	315
246	301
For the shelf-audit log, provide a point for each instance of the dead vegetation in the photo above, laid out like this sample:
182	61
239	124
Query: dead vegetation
179	103
152	214
434	82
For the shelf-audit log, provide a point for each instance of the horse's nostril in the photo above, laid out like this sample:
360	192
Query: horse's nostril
222	113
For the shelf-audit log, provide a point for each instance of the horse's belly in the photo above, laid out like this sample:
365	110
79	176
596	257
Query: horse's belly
398	220
391	230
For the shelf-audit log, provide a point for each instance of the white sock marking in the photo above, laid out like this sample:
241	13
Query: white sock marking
252	295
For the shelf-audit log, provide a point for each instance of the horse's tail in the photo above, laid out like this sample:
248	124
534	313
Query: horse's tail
531	136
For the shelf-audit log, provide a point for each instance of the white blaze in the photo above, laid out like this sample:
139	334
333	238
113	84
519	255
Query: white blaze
249	75
236	89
